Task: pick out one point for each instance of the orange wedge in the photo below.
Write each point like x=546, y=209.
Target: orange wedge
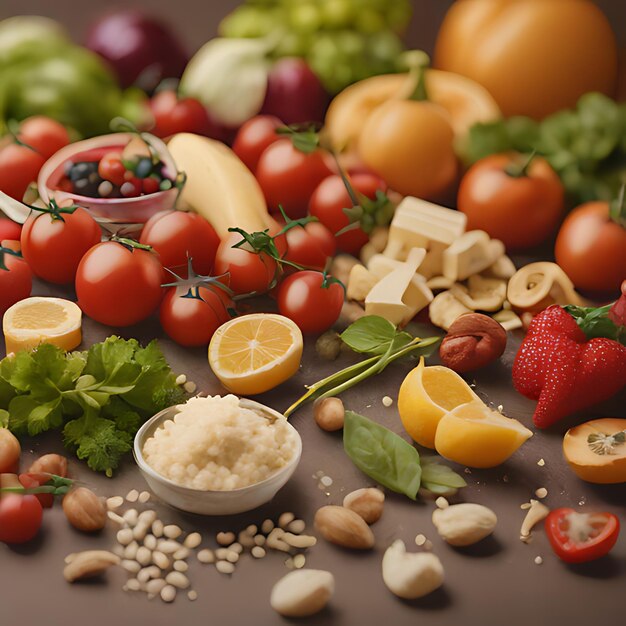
x=37, y=320
x=426, y=395
x=476, y=436
x=255, y=353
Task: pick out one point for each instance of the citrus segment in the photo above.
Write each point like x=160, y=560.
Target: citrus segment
x=474, y=435
x=426, y=395
x=37, y=320
x=255, y=353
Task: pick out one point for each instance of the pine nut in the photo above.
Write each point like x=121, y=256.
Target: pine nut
x=124, y=536
x=172, y=531
x=130, y=552
x=157, y=528
x=178, y=580
x=133, y=584
x=181, y=554
x=258, y=552
x=130, y=566
x=160, y=559
x=131, y=516
x=144, y=556
x=285, y=519
x=232, y=556
x=299, y=541
x=150, y=542
x=155, y=585
x=267, y=526
x=132, y=495
x=224, y=567
x=206, y=556
x=118, y=519
x=259, y=540
x=168, y=593
x=297, y=526
x=192, y=595
x=181, y=566
x=193, y=540
x=114, y=502
x=168, y=546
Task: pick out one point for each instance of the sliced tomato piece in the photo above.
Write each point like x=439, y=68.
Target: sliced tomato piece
x=580, y=537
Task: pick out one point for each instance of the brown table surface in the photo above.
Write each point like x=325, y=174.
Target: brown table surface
x=493, y=583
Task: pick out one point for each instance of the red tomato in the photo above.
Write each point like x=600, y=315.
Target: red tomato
x=191, y=321
x=53, y=247
x=20, y=518
x=44, y=134
x=313, y=307
x=331, y=197
x=9, y=230
x=288, y=177
x=30, y=481
x=176, y=235
x=310, y=246
x=248, y=272
x=112, y=169
x=254, y=136
x=19, y=167
x=186, y=115
x=520, y=210
x=118, y=286
x=591, y=248
x=16, y=281
x=580, y=537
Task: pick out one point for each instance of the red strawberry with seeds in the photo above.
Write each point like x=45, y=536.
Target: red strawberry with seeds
x=558, y=366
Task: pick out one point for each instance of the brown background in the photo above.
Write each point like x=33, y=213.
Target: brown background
x=196, y=20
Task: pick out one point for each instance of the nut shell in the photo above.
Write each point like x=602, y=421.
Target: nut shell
x=344, y=527
x=84, y=510
x=50, y=464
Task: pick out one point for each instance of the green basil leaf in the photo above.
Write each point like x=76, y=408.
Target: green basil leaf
x=370, y=334
x=437, y=477
x=382, y=455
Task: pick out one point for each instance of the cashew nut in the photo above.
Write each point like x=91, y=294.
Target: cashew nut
x=464, y=524
x=302, y=592
x=89, y=563
x=411, y=575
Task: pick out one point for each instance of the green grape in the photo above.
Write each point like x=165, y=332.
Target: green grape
x=248, y=21
x=305, y=18
x=385, y=46
x=337, y=13
x=292, y=45
x=350, y=43
x=399, y=16
x=370, y=21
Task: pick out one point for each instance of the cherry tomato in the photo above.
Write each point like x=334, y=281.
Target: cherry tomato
x=175, y=235
x=19, y=166
x=53, y=246
x=331, y=197
x=20, y=518
x=30, y=481
x=186, y=115
x=591, y=248
x=288, y=177
x=10, y=451
x=112, y=169
x=310, y=246
x=247, y=271
x=9, y=230
x=44, y=134
x=119, y=286
x=580, y=537
x=149, y=185
x=520, y=210
x=303, y=298
x=191, y=321
x=254, y=136
x=16, y=281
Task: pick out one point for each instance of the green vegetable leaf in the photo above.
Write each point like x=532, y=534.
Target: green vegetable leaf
x=31, y=416
x=373, y=334
x=382, y=455
x=595, y=322
x=439, y=478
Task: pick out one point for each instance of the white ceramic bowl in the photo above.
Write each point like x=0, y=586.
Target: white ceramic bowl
x=214, y=502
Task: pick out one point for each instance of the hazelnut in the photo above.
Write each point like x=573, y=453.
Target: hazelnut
x=473, y=341
x=50, y=464
x=329, y=414
x=85, y=510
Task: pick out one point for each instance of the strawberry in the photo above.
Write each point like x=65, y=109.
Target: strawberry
x=562, y=369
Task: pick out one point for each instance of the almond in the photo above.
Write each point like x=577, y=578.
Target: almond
x=344, y=527
x=367, y=502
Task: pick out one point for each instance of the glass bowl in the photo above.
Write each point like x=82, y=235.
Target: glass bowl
x=207, y=502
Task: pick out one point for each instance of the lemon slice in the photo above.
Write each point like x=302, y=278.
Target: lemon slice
x=474, y=435
x=426, y=395
x=255, y=353
x=37, y=320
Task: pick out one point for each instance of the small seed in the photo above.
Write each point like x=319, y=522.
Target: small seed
x=118, y=519
x=147, y=573
x=442, y=503
x=131, y=516
x=157, y=528
x=206, y=556
x=124, y=536
x=168, y=546
x=299, y=541
x=132, y=496
x=181, y=566
x=168, y=593
x=181, y=379
x=190, y=387
x=144, y=556
x=285, y=519
x=420, y=540
x=150, y=542
x=299, y=560
x=541, y=493
x=538, y=560
x=221, y=553
x=259, y=540
x=192, y=595
x=267, y=526
x=296, y=527
x=155, y=585
x=232, y=556
x=147, y=517
x=252, y=529
x=160, y=559
x=144, y=497
x=178, y=579
x=118, y=550
x=224, y=567
x=258, y=552
x=114, y=503
x=193, y=540
x=141, y=530
x=131, y=566
x=181, y=554
x=172, y=531
x=225, y=539
x=132, y=584
x=130, y=551
x=387, y=401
